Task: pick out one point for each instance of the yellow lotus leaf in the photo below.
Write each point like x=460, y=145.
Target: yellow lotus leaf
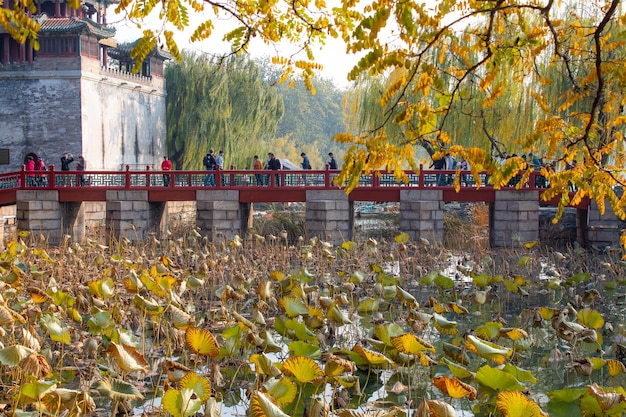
x=302, y=368
x=293, y=306
x=335, y=315
x=488, y=350
x=615, y=367
x=127, y=357
x=38, y=296
x=606, y=400
x=458, y=309
x=516, y=404
x=514, y=334
x=264, y=365
x=284, y=391
x=60, y=400
x=132, y=282
x=262, y=405
x=336, y=366
x=410, y=344
x=445, y=326
x=200, y=385
x=547, y=313
x=437, y=306
x=181, y=403
x=455, y=388
x=371, y=357
x=202, y=342
x=529, y=245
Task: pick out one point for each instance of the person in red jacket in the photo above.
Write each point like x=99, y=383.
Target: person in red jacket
x=166, y=165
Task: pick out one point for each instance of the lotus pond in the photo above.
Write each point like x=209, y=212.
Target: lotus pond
x=265, y=327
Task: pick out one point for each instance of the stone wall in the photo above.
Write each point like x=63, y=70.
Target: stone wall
x=514, y=218
x=39, y=113
x=421, y=214
x=603, y=229
x=123, y=122
x=219, y=214
x=59, y=105
x=39, y=212
x=329, y=215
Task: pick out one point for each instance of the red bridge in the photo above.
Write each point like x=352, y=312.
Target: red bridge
x=253, y=186
x=132, y=203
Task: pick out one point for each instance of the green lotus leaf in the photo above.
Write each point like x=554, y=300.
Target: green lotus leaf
x=149, y=306
x=357, y=277
x=443, y=281
x=269, y=344
x=497, y=380
x=33, y=391
x=489, y=330
x=524, y=260
x=482, y=280
x=301, y=331
x=57, y=330
x=62, y=299
x=457, y=370
x=299, y=348
x=117, y=389
x=578, y=278
x=100, y=322
x=368, y=305
x=488, y=350
x=389, y=292
x=522, y=375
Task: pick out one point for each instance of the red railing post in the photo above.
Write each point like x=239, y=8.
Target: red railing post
x=147, y=175
x=218, y=176
x=327, y=177
x=422, y=181
x=23, y=177
x=127, y=178
x=52, y=177
x=172, y=179
x=232, y=176
x=375, y=179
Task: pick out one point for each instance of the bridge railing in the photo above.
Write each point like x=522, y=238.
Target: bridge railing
x=241, y=179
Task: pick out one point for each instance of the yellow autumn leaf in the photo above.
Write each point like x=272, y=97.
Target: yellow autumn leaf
x=202, y=342
x=516, y=404
x=303, y=368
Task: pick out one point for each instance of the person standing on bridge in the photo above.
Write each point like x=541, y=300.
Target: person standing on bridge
x=219, y=161
x=209, y=163
x=306, y=164
x=166, y=165
x=332, y=164
x=81, y=165
x=258, y=165
x=274, y=164
x=66, y=160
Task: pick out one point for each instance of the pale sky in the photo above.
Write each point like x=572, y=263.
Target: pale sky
x=336, y=62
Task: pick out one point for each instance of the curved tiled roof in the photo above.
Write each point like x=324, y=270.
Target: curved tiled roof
x=123, y=50
x=74, y=24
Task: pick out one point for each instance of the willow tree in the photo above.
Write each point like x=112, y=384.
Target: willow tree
x=220, y=104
